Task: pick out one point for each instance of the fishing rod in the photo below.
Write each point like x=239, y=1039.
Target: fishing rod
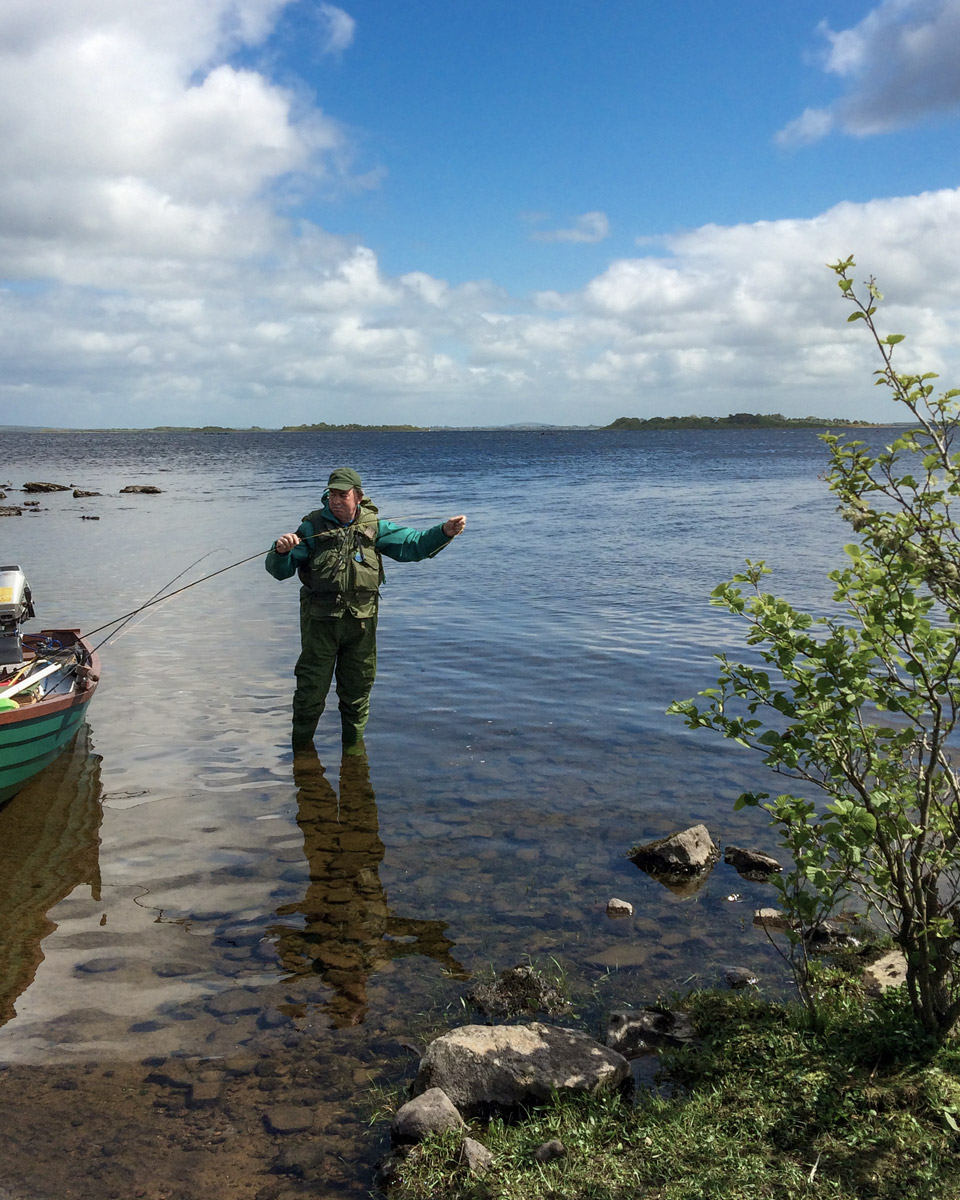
x=163, y=594
x=156, y=597
x=159, y=599
x=33, y=677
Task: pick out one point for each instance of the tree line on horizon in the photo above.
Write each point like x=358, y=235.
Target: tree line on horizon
x=733, y=421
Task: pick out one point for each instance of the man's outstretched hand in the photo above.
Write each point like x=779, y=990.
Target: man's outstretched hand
x=454, y=526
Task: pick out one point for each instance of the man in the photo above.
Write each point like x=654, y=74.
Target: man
x=338, y=554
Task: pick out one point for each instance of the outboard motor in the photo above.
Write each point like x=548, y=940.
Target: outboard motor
x=16, y=606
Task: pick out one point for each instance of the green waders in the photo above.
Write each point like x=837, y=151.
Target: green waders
x=346, y=645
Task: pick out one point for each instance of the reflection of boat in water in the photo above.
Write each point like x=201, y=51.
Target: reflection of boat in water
x=49, y=845
x=349, y=932
x=46, y=682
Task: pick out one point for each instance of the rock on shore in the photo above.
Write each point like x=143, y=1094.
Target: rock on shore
x=484, y=1068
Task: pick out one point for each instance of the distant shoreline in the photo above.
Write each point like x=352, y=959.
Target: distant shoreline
x=735, y=421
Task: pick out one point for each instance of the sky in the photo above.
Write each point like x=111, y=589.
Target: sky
x=442, y=212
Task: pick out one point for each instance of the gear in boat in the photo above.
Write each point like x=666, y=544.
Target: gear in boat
x=46, y=681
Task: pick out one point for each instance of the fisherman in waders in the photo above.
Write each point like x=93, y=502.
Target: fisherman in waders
x=338, y=554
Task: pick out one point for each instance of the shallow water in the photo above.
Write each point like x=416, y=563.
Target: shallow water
x=232, y=911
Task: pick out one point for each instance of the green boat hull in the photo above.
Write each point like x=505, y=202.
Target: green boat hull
x=28, y=746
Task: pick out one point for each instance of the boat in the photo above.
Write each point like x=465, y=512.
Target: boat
x=47, y=679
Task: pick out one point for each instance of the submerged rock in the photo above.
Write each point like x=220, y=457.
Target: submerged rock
x=741, y=977
x=10, y=510
x=484, y=1068
x=751, y=864
x=773, y=920
x=79, y=494
x=833, y=933
x=144, y=489
x=633, y=1032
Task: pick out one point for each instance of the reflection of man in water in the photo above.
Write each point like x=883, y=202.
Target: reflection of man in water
x=349, y=932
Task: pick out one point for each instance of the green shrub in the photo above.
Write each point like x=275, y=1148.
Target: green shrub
x=862, y=705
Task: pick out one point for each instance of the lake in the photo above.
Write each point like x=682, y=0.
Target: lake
x=195, y=937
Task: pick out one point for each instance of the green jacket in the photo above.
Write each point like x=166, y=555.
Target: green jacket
x=341, y=566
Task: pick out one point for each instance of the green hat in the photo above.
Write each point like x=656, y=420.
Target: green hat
x=342, y=479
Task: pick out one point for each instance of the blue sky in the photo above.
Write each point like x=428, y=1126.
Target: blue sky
x=661, y=116
x=273, y=211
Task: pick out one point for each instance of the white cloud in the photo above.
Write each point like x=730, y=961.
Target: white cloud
x=339, y=28
x=643, y=284
x=125, y=137
x=153, y=275
x=900, y=66
x=354, y=281
x=726, y=318
x=590, y=227
x=812, y=125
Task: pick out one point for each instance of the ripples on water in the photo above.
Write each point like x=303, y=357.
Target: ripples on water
x=517, y=745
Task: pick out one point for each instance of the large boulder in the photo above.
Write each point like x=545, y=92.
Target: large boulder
x=485, y=1068
x=46, y=487
x=679, y=855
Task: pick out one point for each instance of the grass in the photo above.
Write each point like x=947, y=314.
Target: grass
x=765, y=1108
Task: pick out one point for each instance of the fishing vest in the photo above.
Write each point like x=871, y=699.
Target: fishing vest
x=345, y=569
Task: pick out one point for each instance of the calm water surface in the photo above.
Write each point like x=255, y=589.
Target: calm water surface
x=173, y=889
